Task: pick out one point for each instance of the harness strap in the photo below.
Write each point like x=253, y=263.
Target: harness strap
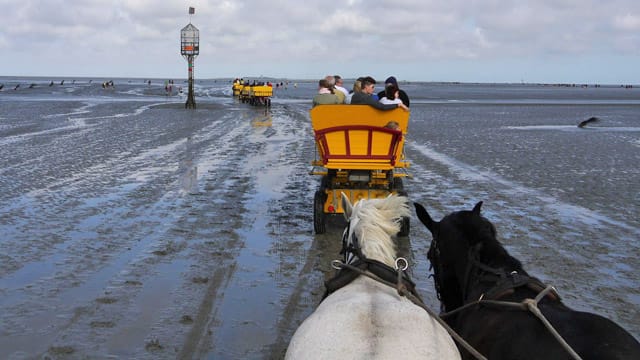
x=505, y=282
x=417, y=301
x=347, y=274
x=507, y=285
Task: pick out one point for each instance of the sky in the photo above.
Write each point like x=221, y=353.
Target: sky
x=534, y=41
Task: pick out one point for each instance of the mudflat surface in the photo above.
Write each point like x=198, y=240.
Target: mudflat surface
x=134, y=228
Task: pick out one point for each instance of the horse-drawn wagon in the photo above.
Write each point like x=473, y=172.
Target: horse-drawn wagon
x=360, y=153
x=253, y=94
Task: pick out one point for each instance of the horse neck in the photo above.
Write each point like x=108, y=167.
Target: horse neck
x=484, y=269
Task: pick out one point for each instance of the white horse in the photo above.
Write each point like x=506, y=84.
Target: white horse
x=366, y=319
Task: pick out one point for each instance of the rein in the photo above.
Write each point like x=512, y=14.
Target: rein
x=506, y=284
x=354, y=257
x=403, y=291
x=352, y=265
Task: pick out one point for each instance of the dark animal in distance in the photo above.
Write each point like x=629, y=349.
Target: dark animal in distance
x=588, y=121
x=470, y=264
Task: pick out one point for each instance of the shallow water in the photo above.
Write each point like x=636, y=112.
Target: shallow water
x=135, y=228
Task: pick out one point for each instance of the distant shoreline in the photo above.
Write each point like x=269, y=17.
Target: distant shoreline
x=99, y=79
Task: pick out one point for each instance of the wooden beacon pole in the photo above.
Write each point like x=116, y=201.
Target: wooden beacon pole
x=191, y=101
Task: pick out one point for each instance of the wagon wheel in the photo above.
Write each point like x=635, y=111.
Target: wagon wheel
x=319, y=217
x=398, y=186
x=405, y=224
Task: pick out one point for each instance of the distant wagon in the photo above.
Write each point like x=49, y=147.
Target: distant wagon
x=253, y=94
x=360, y=153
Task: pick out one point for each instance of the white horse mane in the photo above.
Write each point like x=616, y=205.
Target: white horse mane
x=365, y=318
x=377, y=221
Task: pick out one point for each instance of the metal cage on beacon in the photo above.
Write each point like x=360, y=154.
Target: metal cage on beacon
x=189, y=40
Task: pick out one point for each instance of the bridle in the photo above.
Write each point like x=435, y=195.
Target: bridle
x=436, y=266
x=505, y=284
x=354, y=262
x=476, y=271
x=351, y=250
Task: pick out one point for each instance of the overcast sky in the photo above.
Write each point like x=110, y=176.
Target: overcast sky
x=552, y=41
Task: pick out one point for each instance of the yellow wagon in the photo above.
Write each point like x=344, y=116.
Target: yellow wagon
x=253, y=94
x=260, y=95
x=237, y=87
x=360, y=153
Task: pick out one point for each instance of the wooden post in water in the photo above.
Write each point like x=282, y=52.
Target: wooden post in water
x=191, y=101
x=190, y=48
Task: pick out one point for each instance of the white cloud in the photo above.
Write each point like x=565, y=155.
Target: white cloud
x=627, y=22
x=107, y=35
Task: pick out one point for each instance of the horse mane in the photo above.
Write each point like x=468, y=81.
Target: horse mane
x=379, y=220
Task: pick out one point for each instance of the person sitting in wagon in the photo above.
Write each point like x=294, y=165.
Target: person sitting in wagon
x=402, y=95
x=325, y=95
x=364, y=96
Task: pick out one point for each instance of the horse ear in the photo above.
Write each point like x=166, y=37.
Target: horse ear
x=476, y=209
x=346, y=206
x=424, y=217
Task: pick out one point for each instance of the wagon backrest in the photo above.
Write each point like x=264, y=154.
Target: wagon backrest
x=355, y=137
x=262, y=90
x=326, y=116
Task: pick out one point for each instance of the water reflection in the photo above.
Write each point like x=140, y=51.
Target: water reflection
x=188, y=170
x=263, y=119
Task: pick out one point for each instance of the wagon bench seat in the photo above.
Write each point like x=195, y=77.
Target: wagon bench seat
x=355, y=137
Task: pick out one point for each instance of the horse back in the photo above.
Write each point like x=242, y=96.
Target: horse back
x=517, y=334
x=368, y=320
x=594, y=336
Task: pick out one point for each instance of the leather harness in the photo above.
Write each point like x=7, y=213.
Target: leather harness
x=353, y=256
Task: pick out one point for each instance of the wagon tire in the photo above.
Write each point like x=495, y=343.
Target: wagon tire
x=405, y=226
x=405, y=222
x=319, y=217
x=398, y=186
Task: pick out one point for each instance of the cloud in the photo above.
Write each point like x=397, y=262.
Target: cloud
x=105, y=35
x=627, y=22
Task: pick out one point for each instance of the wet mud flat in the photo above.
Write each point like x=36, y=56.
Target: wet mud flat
x=139, y=229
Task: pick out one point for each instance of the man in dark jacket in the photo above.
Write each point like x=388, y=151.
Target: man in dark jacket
x=392, y=81
x=364, y=97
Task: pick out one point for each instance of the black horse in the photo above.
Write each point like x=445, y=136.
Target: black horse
x=484, y=292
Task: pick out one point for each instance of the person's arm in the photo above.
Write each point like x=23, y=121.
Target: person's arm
x=404, y=97
x=378, y=105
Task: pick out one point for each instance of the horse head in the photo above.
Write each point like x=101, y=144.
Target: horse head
x=371, y=223
x=463, y=241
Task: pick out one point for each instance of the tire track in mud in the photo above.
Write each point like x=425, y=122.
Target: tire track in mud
x=554, y=240
x=274, y=218
x=144, y=216
x=158, y=334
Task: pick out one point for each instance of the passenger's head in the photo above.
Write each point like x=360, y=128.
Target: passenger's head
x=324, y=84
x=391, y=91
x=357, y=85
x=339, y=81
x=391, y=80
x=330, y=80
x=368, y=84
x=393, y=125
